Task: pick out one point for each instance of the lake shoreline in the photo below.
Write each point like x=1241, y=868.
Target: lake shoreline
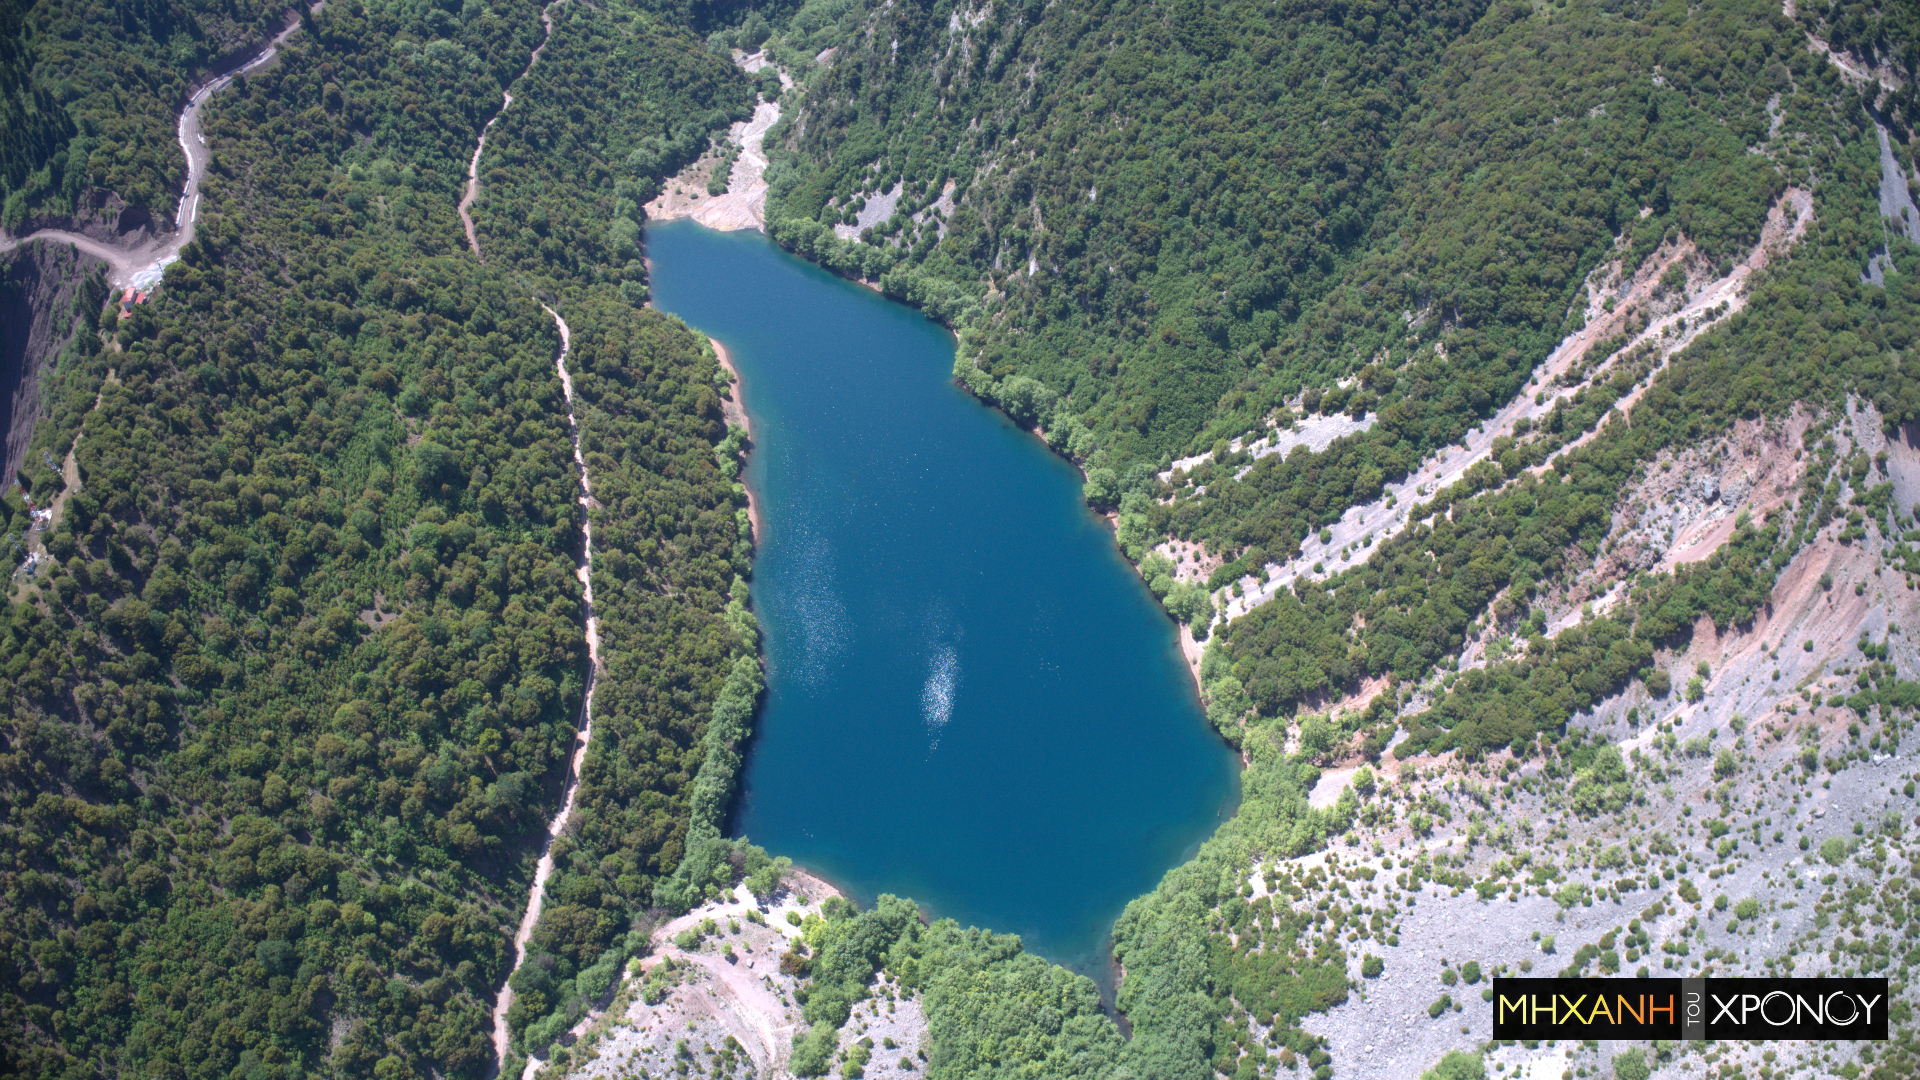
x=735, y=410
x=873, y=442
x=1191, y=650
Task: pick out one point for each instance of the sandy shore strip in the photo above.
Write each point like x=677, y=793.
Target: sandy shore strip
x=735, y=410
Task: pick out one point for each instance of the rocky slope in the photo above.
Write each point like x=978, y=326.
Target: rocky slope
x=38, y=287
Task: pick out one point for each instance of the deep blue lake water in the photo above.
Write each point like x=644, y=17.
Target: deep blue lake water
x=972, y=699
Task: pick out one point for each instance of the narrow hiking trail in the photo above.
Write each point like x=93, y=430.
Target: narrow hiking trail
x=543, y=870
x=536, y=896
x=480, y=147
x=1362, y=526
x=141, y=262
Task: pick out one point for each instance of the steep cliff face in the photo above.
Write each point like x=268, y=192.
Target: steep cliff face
x=39, y=287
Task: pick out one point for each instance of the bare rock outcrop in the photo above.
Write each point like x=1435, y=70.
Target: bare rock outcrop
x=38, y=284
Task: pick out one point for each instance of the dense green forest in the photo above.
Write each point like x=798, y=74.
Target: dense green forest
x=606, y=112
x=289, y=711
x=91, y=95
x=1476, y=168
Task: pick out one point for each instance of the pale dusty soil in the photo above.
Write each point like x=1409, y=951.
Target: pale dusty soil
x=1772, y=676
x=1384, y=1031
x=1854, y=69
x=744, y=204
x=1332, y=783
x=878, y=208
x=1786, y=223
x=1686, y=508
x=1316, y=433
x=138, y=253
x=747, y=998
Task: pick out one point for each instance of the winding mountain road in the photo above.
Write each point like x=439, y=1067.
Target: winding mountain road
x=141, y=262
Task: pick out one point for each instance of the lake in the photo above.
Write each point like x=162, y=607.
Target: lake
x=972, y=700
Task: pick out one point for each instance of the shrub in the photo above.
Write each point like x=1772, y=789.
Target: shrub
x=1364, y=782
x=1458, y=1065
x=813, y=1051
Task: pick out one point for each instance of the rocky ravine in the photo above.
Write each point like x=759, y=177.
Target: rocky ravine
x=1674, y=323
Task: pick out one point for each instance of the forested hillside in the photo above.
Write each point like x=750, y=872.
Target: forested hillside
x=1179, y=237
x=1188, y=230
x=91, y=95
x=292, y=697
x=290, y=708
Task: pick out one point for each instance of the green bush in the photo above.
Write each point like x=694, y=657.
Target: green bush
x=1458, y=1065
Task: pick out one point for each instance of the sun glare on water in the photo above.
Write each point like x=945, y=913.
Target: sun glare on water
x=936, y=698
